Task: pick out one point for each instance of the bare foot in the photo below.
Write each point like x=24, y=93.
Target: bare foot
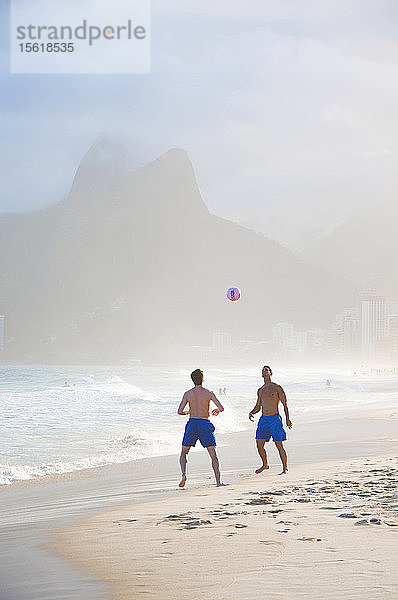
x=261, y=469
x=221, y=484
x=283, y=472
x=183, y=481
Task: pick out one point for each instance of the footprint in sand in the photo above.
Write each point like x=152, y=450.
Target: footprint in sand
x=309, y=539
x=270, y=542
x=125, y=521
x=194, y=523
x=188, y=522
x=257, y=501
x=240, y=525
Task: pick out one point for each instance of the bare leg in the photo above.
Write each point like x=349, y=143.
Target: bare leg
x=283, y=456
x=263, y=456
x=183, y=464
x=215, y=464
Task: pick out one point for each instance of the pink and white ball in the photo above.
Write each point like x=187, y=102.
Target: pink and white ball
x=233, y=294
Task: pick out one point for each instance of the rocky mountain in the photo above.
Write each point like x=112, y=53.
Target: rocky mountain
x=133, y=264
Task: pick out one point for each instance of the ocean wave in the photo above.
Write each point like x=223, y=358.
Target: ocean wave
x=111, y=386
x=128, y=448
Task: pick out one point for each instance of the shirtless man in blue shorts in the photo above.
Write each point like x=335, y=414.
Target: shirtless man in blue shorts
x=198, y=426
x=270, y=422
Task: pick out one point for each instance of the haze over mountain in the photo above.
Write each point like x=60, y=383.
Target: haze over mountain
x=364, y=249
x=132, y=264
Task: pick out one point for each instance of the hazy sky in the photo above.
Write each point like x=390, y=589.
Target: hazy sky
x=288, y=110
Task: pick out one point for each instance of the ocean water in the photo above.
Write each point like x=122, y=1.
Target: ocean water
x=116, y=414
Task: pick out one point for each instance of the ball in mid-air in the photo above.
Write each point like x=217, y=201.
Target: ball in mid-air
x=233, y=294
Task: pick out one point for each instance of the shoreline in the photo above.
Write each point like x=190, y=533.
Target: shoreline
x=245, y=436
x=42, y=508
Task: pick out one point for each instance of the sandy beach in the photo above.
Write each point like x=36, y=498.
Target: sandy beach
x=327, y=529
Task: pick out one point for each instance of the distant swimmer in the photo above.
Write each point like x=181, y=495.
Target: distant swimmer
x=66, y=384
x=270, y=422
x=224, y=391
x=198, y=426
x=328, y=383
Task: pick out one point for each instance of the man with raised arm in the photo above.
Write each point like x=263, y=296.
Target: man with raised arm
x=198, y=426
x=270, y=422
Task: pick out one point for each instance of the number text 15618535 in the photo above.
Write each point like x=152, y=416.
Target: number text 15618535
x=47, y=47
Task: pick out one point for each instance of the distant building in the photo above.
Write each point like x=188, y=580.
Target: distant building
x=344, y=337
x=316, y=340
x=221, y=341
x=301, y=341
x=286, y=337
x=393, y=335
x=392, y=308
x=283, y=335
x=351, y=330
x=373, y=322
x=335, y=338
x=2, y=319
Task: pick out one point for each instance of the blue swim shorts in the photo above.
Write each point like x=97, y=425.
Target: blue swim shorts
x=199, y=429
x=270, y=426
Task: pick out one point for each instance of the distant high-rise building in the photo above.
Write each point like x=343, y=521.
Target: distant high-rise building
x=393, y=335
x=344, y=333
x=283, y=335
x=373, y=321
x=221, y=341
x=301, y=341
x=2, y=318
x=351, y=330
x=335, y=338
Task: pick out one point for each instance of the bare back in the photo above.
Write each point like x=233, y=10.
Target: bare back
x=198, y=399
x=269, y=395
